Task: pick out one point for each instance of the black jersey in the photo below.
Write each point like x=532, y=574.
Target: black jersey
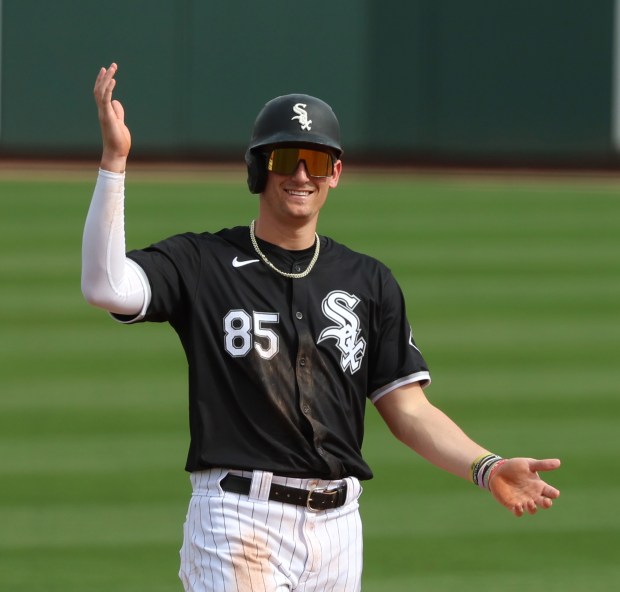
x=280, y=369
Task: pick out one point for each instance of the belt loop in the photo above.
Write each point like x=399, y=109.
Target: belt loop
x=261, y=484
x=354, y=489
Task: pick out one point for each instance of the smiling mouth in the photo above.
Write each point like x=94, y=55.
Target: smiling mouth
x=299, y=192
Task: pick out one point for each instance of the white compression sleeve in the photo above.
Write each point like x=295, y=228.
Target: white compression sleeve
x=109, y=279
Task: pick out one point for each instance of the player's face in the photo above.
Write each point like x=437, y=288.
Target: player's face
x=298, y=196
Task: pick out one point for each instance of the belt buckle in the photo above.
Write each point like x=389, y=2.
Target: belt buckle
x=314, y=490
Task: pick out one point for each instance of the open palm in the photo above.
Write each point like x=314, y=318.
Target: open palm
x=115, y=134
x=517, y=486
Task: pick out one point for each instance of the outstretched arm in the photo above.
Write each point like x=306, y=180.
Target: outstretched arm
x=109, y=279
x=434, y=436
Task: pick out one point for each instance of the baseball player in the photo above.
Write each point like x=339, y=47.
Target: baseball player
x=287, y=335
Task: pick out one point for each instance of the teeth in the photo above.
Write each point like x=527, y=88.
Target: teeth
x=299, y=193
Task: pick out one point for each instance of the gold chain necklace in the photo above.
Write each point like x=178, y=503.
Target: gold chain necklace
x=294, y=276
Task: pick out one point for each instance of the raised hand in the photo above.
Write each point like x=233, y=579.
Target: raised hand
x=115, y=134
x=517, y=486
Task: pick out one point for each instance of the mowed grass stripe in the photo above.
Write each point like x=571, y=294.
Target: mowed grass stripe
x=58, y=525
x=438, y=569
x=120, y=567
x=547, y=580
x=104, y=450
x=94, y=485
x=93, y=391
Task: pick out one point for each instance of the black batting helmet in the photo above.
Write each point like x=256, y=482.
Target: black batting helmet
x=295, y=119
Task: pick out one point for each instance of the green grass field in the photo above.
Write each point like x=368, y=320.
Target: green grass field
x=513, y=286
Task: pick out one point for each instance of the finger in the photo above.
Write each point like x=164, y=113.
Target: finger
x=517, y=510
x=105, y=74
x=545, y=503
x=547, y=464
x=100, y=76
x=105, y=82
x=99, y=84
x=550, y=492
x=111, y=71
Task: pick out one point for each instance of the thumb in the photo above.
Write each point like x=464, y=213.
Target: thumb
x=118, y=110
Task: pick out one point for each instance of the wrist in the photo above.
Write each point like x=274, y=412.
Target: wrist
x=483, y=467
x=492, y=472
x=110, y=176
x=113, y=163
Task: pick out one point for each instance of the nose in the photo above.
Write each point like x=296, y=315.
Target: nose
x=301, y=173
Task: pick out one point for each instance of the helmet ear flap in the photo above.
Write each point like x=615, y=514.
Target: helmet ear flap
x=257, y=171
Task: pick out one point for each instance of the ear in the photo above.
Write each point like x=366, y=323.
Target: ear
x=257, y=171
x=333, y=180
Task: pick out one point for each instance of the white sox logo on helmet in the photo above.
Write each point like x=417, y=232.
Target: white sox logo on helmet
x=338, y=306
x=302, y=116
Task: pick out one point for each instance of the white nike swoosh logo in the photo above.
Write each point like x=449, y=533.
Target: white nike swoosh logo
x=237, y=263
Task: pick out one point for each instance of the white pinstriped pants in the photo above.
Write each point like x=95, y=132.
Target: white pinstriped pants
x=238, y=543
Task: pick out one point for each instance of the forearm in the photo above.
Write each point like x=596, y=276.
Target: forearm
x=110, y=280
x=429, y=432
x=435, y=437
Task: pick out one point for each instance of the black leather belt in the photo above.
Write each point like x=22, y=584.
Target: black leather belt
x=316, y=499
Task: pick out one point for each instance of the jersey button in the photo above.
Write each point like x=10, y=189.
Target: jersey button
x=299, y=315
x=302, y=362
x=297, y=268
x=306, y=409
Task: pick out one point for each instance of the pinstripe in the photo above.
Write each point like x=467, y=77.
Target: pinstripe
x=255, y=545
x=324, y=543
x=256, y=520
x=340, y=544
x=212, y=558
x=297, y=529
x=271, y=509
x=332, y=554
x=310, y=566
x=231, y=553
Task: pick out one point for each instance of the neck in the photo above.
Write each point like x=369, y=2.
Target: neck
x=287, y=236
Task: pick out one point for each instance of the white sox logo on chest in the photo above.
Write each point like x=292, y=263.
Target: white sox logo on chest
x=338, y=306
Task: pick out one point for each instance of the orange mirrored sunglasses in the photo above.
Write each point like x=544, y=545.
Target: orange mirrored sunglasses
x=284, y=161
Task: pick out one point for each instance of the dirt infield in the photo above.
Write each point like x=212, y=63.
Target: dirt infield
x=21, y=169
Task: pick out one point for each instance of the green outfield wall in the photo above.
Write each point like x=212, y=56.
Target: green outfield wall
x=419, y=80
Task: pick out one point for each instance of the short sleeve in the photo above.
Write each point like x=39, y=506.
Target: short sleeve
x=172, y=267
x=397, y=360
